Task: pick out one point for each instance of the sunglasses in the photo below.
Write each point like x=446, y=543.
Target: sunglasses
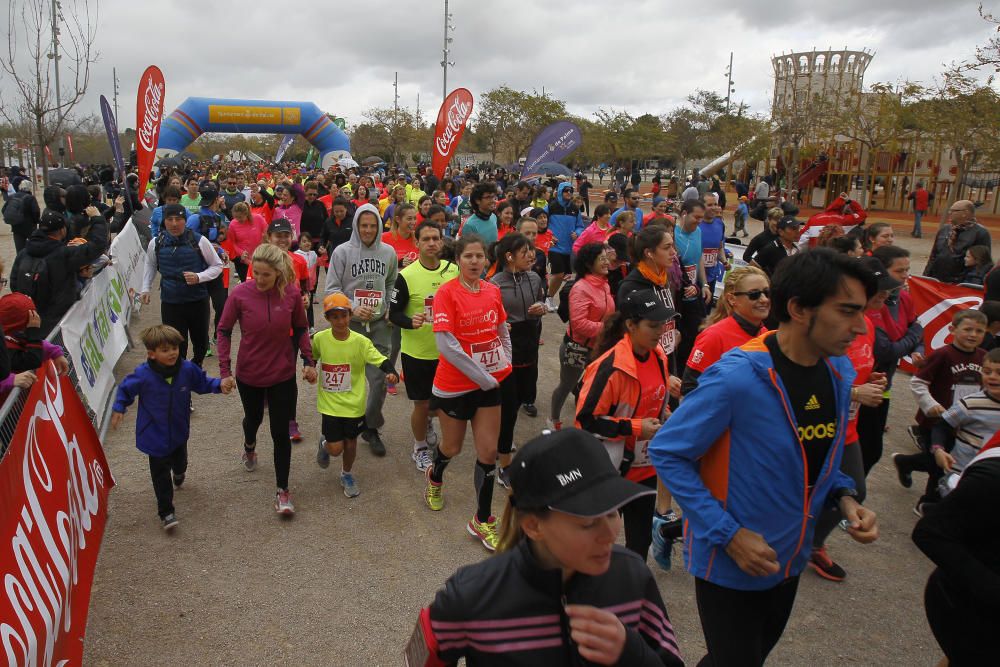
x=754, y=294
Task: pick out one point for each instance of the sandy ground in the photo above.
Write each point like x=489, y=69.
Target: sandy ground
x=341, y=583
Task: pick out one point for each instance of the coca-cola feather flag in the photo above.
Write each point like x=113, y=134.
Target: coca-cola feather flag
x=149, y=115
x=450, y=125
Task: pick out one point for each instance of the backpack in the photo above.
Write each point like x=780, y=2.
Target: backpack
x=563, y=309
x=13, y=211
x=31, y=278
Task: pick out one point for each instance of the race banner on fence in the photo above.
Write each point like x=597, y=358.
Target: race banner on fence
x=449, y=127
x=149, y=115
x=935, y=304
x=552, y=144
x=128, y=258
x=54, y=483
x=94, y=334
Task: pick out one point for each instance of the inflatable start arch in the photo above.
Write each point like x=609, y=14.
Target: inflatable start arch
x=198, y=115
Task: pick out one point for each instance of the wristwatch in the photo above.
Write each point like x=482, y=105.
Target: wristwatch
x=841, y=493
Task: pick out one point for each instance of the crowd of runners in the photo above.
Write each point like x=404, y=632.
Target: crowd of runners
x=741, y=427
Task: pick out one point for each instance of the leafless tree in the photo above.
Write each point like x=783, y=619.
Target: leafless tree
x=40, y=98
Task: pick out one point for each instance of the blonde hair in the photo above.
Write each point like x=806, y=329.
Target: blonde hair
x=241, y=207
x=278, y=260
x=624, y=215
x=776, y=213
x=732, y=283
x=161, y=335
x=510, y=532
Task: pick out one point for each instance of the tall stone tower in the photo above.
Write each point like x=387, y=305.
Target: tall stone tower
x=804, y=77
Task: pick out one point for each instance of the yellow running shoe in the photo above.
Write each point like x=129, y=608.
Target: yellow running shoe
x=432, y=495
x=484, y=531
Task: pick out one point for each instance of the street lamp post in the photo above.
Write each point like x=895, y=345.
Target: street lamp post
x=448, y=25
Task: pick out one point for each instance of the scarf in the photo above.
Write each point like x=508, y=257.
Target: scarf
x=166, y=372
x=657, y=277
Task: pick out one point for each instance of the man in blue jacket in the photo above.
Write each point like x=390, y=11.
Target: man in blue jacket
x=751, y=476
x=565, y=223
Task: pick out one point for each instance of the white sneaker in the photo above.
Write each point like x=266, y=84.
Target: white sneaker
x=283, y=503
x=550, y=305
x=422, y=458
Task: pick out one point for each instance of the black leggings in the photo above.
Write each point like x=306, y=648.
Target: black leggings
x=218, y=292
x=852, y=466
x=741, y=627
x=964, y=633
x=160, y=468
x=515, y=389
x=191, y=319
x=280, y=399
x=871, y=430
x=241, y=269
x=637, y=518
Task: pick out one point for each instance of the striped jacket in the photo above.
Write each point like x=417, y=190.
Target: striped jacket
x=507, y=610
x=732, y=458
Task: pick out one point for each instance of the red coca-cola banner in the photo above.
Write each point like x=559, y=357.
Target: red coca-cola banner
x=448, y=130
x=148, y=116
x=69, y=144
x=54, y=484
x=935, y=304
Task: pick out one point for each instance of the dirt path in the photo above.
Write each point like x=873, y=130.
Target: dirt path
x=341, y=583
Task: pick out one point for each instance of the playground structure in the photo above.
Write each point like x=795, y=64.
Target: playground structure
x=197, y=115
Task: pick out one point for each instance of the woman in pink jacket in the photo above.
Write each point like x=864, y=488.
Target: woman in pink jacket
x=598, y=231
x=246, y=231
x=589, y=303
x=288, y=205
x=269, y=310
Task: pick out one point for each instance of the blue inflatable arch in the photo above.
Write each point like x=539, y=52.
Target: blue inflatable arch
x=198, y=115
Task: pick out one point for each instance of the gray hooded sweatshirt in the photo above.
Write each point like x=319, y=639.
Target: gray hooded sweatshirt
x=364, y=274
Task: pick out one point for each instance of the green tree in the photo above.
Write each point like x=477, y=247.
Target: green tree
x=391, y=132
x=507, y=120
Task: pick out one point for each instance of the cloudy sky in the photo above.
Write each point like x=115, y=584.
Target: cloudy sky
x=638, y=56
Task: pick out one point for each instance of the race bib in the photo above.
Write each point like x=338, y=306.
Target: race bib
x=367, y=297
x=336, y=377
x=692, y=273
x=489, y=355
x=668, y=339
x=641, y=454
x=853, y=412
x=429, y=309
x=710, y=257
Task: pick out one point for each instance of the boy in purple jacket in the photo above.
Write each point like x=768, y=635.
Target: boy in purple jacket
x=164, y=384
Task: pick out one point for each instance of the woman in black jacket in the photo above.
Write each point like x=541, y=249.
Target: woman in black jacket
x=769, y=234
x=559, y=591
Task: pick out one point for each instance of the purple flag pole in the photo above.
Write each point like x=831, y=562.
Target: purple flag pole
x=552, y=144
x=111, y=127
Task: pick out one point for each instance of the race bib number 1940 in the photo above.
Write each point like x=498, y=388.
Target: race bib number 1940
x=367, y=297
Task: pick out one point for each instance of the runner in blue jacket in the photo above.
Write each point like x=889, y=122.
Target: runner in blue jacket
x=565, y=224
x=752, y=475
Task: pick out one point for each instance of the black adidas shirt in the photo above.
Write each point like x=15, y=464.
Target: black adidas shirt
x=810, y=389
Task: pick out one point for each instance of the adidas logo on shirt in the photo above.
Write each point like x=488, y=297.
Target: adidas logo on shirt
x=812, y=403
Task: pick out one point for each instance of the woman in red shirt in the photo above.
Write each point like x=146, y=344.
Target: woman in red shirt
x=505, y=219
x=738, y=317
x=470, y=327
x=361, y=196
x=624, y=400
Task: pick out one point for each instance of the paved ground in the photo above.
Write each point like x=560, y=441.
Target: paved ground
x=341, y=582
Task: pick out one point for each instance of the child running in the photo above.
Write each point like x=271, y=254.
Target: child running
x=163, y=385
x=341, y=356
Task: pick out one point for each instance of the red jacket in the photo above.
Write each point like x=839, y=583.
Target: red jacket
x=833, y=216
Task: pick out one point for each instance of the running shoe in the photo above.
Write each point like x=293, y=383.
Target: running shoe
x=823, y=565
x=662, y=543
x=178, y=480
x=283, y=503
x=293, y=431
x=432, y=494
x=484, y=531
x=919, y=508
x=351, y=489
x=422, y=458
x=914, y=432
x=322, y=456
x=375, y=442
x=905, y=476
x=209, y=352
x=391, y=388
x=169, y=522
x=432, y=436
x=553, y=425
x=550, y=305
x=530, y=409
x=249, y=460
x=502, y=478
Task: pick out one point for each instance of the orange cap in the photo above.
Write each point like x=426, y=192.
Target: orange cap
x=336, y=301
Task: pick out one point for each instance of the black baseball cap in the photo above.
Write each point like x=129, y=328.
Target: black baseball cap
x=52, y=221
x=569, y=471
x=279, y=225
x=209, y=193
x=174, y=210
x=788, y=221
x=886, y=283
x=643, y=304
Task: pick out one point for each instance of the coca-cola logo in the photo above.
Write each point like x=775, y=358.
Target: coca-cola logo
x=152, y=99
x=458, y=113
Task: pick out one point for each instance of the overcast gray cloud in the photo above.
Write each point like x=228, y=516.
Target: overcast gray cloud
x=639, y=56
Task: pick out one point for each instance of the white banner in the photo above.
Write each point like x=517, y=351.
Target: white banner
x=734, y=262
x=94, y=330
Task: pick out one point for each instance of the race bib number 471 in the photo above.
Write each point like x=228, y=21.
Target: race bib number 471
x=489, y=355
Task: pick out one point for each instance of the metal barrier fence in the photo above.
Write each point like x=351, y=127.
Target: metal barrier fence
x=13, y=406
